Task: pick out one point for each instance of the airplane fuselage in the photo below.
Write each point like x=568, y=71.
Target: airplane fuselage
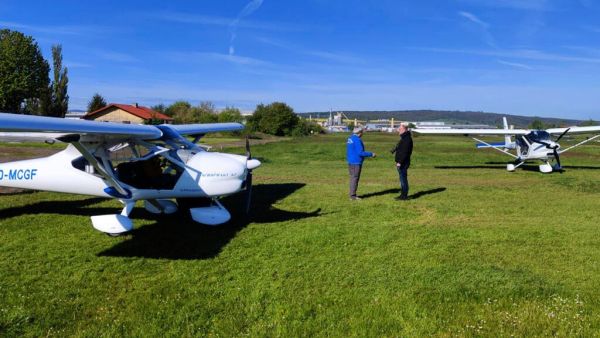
x=204, y=174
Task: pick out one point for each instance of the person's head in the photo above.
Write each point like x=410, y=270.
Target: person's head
x=358, y=131
x=403, y=128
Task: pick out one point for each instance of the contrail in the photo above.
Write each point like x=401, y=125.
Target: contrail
x=252, y=6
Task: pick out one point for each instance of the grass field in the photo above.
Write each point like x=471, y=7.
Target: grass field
x=478, y=251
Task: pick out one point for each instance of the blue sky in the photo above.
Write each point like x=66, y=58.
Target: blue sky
x=530, y=57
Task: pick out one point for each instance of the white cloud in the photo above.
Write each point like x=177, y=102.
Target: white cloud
x=515, y=64
x=474, y=19
x=537, y=5
x=327, y=55
x=483, y=26
x=252, y=6
x=527, y=54
x=58, y=30
x=233, y=59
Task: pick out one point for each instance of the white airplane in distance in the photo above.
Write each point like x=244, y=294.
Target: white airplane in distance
x=529, y=145
x=129, y=162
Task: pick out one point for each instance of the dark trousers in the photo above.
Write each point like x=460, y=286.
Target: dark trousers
x=403, y=173
x=354, y=170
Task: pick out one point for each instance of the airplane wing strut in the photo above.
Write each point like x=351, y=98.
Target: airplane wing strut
x=112, y=182
x=491, y=146
x=578, y=144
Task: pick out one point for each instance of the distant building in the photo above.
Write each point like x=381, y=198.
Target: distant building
x=125, y=113
x=75, y=114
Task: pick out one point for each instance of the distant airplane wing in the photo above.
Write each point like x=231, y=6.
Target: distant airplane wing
x=471, y=131
x=28, y=127
x=574, y=130
x=199, y=129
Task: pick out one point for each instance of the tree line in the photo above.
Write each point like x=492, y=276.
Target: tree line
x=276, y=118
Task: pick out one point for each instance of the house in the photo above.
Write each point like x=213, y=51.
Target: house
x=125, y=113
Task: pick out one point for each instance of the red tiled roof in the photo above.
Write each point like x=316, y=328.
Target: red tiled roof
x=139, y=111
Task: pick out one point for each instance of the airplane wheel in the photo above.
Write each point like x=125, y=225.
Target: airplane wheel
x=117, y=235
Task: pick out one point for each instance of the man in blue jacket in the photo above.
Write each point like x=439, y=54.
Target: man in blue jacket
x=355, y=154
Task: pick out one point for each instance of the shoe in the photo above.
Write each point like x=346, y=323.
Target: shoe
x=400, y=198
x=355, y=198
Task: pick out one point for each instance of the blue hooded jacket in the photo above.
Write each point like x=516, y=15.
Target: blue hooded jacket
x=355, y=150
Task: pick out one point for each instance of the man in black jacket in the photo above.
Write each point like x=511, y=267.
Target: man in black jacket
x=403, y=151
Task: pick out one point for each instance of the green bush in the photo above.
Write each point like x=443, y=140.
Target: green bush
x=276, y=118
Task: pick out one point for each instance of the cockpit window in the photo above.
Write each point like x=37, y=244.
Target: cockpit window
x=156, y=172
x=538, y=135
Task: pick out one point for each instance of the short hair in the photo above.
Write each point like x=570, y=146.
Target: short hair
x=357, y=130
x=404, y=124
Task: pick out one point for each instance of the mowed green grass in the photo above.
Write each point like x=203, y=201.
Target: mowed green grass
x=479, y=252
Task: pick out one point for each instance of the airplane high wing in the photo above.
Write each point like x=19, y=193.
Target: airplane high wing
x=39, y=124
x=129, y=162
x=528, y=145
x=468, y=132
x=574, y=130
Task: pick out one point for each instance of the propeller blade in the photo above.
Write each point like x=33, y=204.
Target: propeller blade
x=248, y=191
x=563, y=134
x=557, y=158
x=248, y=154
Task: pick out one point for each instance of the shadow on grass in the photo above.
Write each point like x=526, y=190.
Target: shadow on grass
x=490, y=165
x=179, y=237
x=381, y=193
x=397, y=191
x=426, y=192
x=78, y=207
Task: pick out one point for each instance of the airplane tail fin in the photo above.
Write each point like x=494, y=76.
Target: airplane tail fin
x=507, y=140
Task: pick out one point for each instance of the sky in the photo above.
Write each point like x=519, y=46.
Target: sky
x=526, y=57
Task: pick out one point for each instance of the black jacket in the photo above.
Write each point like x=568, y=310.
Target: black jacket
x=403, y=149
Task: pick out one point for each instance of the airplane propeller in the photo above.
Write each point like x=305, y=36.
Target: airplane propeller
x=248, y=177
x=563, y=134
x=555, y=147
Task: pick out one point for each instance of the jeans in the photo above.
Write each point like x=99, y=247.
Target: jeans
x=403, y=173
x=354, y=170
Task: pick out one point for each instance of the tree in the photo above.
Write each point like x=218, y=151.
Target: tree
x=96, y=103
x=159, y=108
x=588, y=123
x=23, y=72
x=305, y=127
x=536, y=124
x=59, y=98
x=179, y=111
x=230, y=114
x=276, y=118
x=205, y=112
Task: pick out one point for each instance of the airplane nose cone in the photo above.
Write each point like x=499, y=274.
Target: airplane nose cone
x=217, y=166
x=252, y=164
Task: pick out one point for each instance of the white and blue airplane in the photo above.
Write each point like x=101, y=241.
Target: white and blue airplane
x=529, y=145
x=128, y=162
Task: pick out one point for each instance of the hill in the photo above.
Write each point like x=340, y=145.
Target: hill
x=457, y=117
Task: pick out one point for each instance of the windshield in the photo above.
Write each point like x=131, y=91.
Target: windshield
x=538, y=135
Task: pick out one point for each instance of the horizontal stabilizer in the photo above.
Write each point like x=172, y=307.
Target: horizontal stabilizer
x=491, y=145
